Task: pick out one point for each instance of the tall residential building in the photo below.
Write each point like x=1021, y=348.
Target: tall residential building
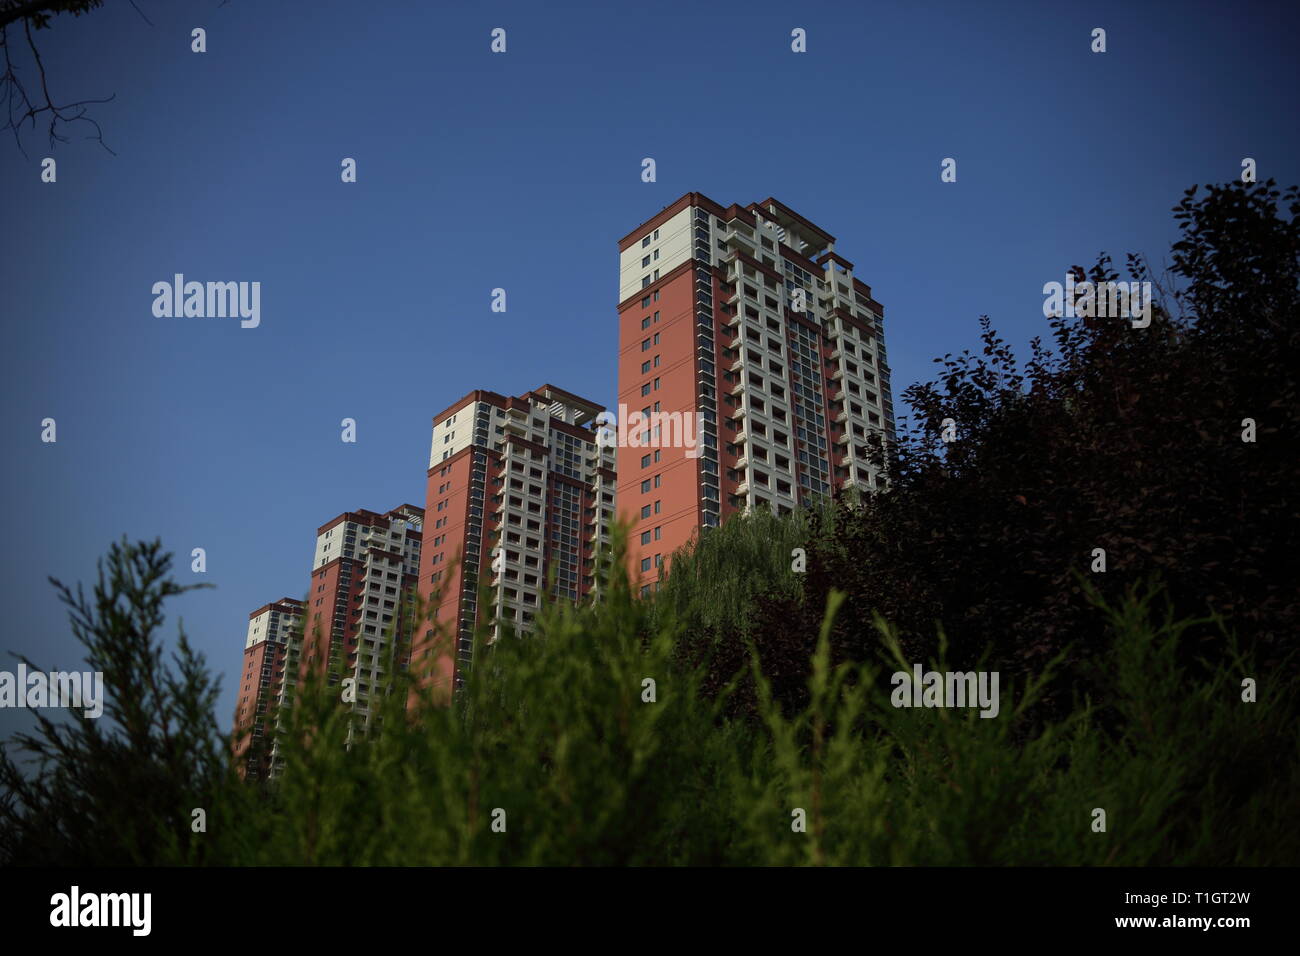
x=746, y=316
x=270, y=657
x=520, y=497
x=365, y=565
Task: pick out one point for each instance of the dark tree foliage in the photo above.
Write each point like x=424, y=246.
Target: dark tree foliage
x=1114, y=437
x=39, y=12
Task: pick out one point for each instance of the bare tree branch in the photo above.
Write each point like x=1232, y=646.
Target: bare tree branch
x=21, y=108
x=141, y=12
x=22, y=103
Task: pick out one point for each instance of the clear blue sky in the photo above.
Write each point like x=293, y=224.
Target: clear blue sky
x=522, y=171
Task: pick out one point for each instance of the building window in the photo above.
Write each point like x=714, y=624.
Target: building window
x=645, y=461
x=645, y=389
x=645, y=486
x=656, y=361
x=645, y=261
x=645, y=537
x=645, y=323
x=645, y=511
x=645, y=564
x=645, y=345
x=645, y=242
x=645, y=366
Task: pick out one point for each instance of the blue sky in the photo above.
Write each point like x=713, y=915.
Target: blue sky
x=522, y=171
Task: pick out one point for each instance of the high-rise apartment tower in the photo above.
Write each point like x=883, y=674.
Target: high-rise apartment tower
x=746, y=317
x=270, y=667
x=355, y=624
x=520, y=498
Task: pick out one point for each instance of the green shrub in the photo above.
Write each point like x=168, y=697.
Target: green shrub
x=556, y=730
